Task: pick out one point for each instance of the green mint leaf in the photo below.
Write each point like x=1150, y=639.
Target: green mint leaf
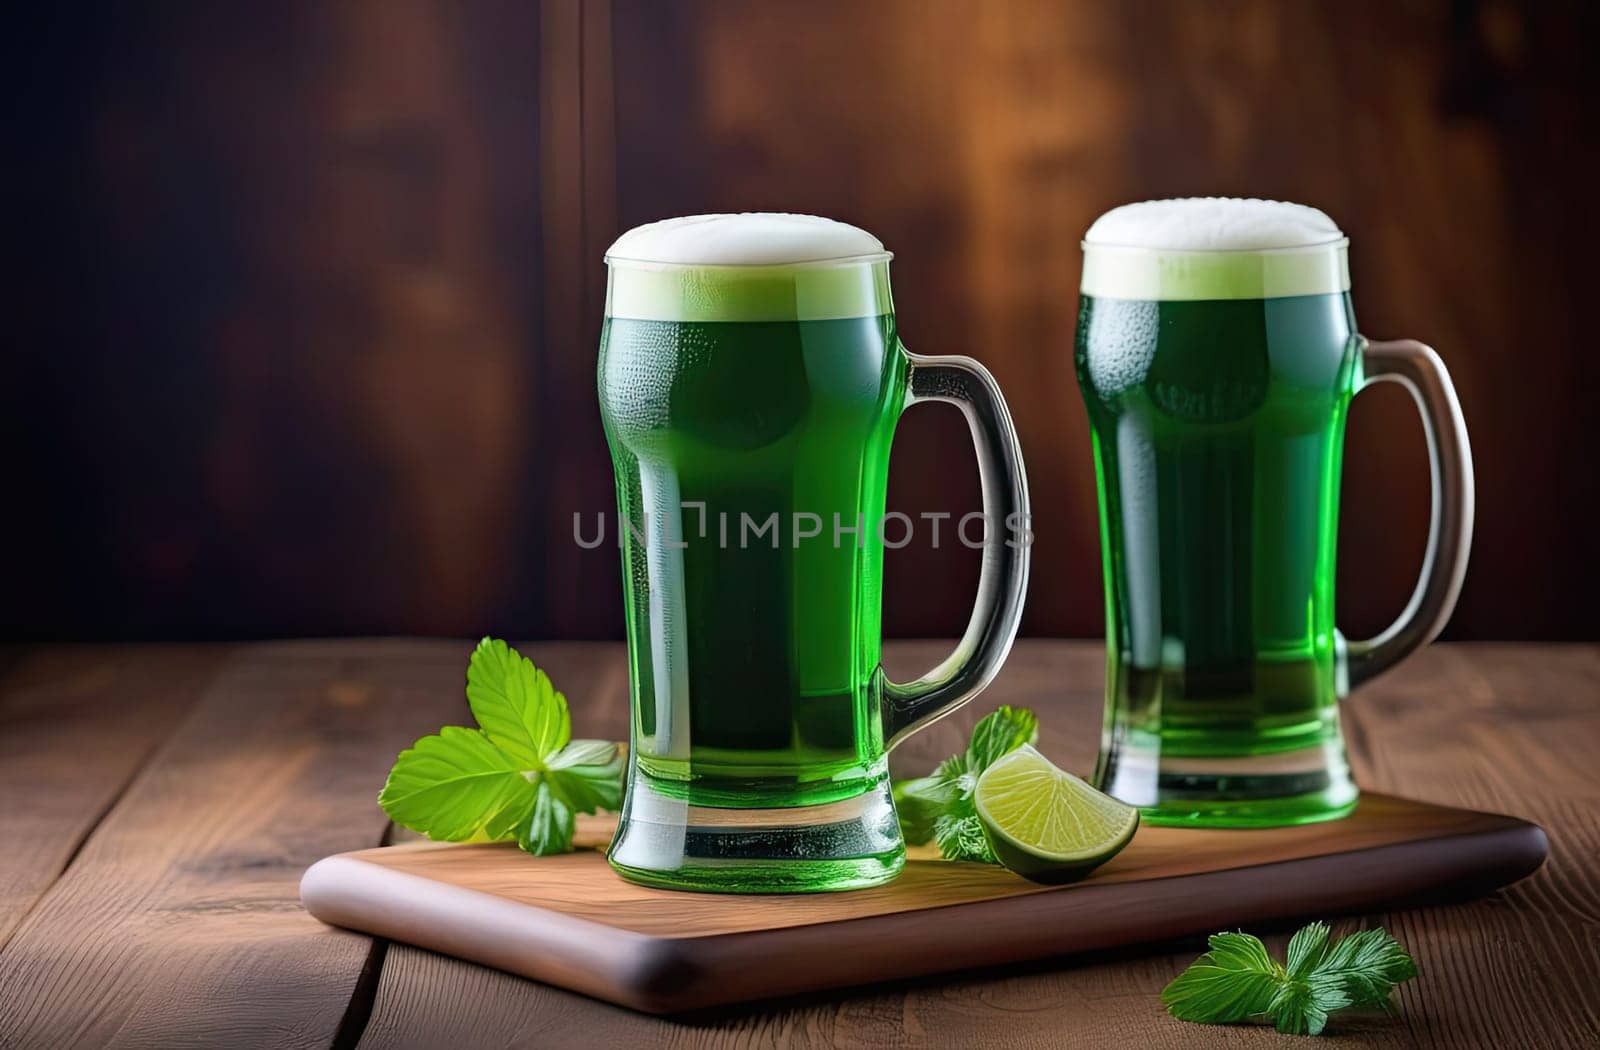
x=951, y=770
x=1306, y=949
x=583, y=753
x=919, y=803
x=548, y=825
x=1366, y=965
x=1237, y=979
x=516, y=705
x=587, y=775
x=1302, y=1006
x=518, y=776
x=956, y=828
x=962, y=838
x=1289, y=1008
x=998, y=734
x=457, y=786
x=1233, y=981
x=939, y=807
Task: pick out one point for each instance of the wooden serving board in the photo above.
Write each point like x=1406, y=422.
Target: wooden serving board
x=570, y=921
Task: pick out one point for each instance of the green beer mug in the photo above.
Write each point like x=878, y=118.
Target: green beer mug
x=1217, y=355
x=751, y=376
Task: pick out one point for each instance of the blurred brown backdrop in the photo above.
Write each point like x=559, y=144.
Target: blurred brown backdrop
x=304, y=296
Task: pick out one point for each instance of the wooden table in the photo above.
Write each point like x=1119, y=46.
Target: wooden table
x=158, y=804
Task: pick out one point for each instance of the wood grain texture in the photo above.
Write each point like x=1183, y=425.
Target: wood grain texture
x=980, y=140
x=577, y=224
x=1471, y=723
x=580, y=886
x=76, y=724
x=1458, y=724
x=570, y=921
x=178, y=921
x=312, y=344
x=312, y=287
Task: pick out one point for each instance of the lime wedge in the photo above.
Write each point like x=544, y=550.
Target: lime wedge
x=1046, y=824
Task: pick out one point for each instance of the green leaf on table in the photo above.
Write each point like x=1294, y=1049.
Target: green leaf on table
x=939, y=807
x=920, y=803
x=515, y=703
x=1231, y=982
x=518, y=776
x=961, y=837
x=457, y=786
x=1306, y=949
x=1367, y=965
x=548, y=826
x=587, y=775
x=1301, y=1007
x=1237, y=980
x=998, y=734
x=583, y=753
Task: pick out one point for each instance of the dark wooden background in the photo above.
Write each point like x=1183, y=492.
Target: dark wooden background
x=304, y=296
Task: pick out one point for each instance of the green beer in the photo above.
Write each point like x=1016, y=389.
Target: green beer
x=750, y=380
x=1217, y=354
x=770, y=422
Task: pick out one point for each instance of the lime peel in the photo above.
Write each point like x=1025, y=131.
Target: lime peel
x=1046, y=824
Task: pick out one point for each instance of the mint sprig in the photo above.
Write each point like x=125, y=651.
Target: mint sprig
x=518, y=776
x=940, y=806
x=1237, y=980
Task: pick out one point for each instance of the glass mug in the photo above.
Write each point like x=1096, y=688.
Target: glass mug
x=1217, y=354
x=750, y=380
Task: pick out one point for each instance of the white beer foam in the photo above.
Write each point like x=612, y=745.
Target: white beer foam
x=758, y=266
x=1203, y=248
x=746, y=239
x=1213, y=224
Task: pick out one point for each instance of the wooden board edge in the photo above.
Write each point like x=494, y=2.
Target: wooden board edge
x=587, y=957
x=1004, y=930
x=676, y=975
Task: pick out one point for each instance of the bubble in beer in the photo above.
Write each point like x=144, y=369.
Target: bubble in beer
x=1122, y=341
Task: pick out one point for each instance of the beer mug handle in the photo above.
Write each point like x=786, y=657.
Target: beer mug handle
x=1003, y=580
x=1444, y=563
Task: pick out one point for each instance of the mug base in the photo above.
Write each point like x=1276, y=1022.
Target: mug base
x=1256, y=813
x=1304, y=786
x=668, y=843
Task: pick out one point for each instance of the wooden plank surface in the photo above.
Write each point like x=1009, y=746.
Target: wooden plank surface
x=1416, y=731
x=76, y=724
x=178, y=922
x=1516, y=727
